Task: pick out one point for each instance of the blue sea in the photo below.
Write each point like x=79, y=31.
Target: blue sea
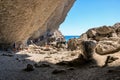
x=70, y=37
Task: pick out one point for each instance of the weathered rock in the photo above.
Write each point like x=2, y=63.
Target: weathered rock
x=88, y=49
x=104, y=30
x=50, y=38
x=101, y=33
x=117, y=28
x=21, y=19
x=91, y=33
x=84, y=36
x=29, y=68
x=108, y=46
x=114, y=34
x=72, y=44
x=99, y=38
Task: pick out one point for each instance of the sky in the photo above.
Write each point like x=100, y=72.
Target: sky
x=86, y=14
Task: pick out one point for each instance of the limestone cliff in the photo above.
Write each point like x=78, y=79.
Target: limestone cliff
x=22, y=19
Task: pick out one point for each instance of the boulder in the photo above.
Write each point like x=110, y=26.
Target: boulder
x=88, y=49
x=72, y=44
x=108, y=46
x=29, y=68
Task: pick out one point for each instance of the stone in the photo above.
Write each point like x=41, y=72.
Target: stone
x=22, y=19
x=101, y=33
x=88, y=49
x=29, y=68
x=72, y=44
x=114, y=35
x=117, y=27
x=108, y=46
x=104, y=30
x=84, y=36
x=91, y=33
x=99, y=38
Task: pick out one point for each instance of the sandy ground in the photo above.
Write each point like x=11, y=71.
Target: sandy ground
x=12, y=65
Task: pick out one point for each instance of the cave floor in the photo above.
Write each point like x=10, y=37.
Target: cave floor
x=12, y=65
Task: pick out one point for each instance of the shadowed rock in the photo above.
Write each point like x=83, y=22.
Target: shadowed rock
x=22, y=19
x=57, y=71
x=88, y=49
x=29, y=68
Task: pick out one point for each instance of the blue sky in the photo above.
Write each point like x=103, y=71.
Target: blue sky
x=86, y=14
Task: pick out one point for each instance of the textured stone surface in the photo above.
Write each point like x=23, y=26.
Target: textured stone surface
x=21, y=19
x=104, y=30
x=88, y=49
x=91, y=33
x=108, y=46
x=107, y=38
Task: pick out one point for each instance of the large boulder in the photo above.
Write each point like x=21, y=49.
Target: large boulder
x=88, y=48
x=108, y=46
x=21, y=19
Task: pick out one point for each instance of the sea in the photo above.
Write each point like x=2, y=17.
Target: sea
x=70, y=37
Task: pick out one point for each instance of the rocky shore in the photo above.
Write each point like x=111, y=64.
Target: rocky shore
x=93, y=56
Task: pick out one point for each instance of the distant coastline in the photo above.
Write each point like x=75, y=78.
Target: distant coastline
x=67, y=37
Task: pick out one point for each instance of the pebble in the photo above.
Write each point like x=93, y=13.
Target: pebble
x=29, y=68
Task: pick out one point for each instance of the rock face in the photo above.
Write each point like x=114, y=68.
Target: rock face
x=22, y=19
x=49, y=38
x=107, y=38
